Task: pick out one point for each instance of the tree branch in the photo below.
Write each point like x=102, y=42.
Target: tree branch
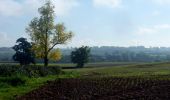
x=53, y=46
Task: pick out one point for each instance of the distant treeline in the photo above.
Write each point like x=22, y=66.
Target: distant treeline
x=108, y=54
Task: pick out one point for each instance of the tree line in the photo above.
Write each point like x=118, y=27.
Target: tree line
x=104, y=54
x=45, y=35
x=123, y=54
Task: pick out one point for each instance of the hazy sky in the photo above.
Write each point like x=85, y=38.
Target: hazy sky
x=94, y=22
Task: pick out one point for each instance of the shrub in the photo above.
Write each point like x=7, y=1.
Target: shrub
x=7, y=70
x=16, y=80
x=12, y=80
x=43, y=71
x=55, y=70
x=4, y=85
x=29, y=70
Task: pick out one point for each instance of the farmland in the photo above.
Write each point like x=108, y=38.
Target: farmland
x=84, y=50
x=143, y=81
x=103, y=89
x=125, y=70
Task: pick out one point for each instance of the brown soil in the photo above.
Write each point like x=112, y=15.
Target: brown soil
x=102, y=89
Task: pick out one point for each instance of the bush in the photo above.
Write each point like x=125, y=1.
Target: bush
x=13, y=80
x=39, y=71
x=7, y=70
x=55, y=70
x=29, y=70
x=16, y=80
x=4, y=85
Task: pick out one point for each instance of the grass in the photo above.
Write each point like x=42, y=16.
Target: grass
x=127, y=70
x=151, y=70
x=8, y=92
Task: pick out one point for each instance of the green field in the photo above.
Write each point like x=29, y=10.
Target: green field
x=151, y=70
x=8, y=92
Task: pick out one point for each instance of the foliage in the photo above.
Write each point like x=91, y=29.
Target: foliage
x=55, y=55
x=153, y=71
x=14, y=80
x=44, y=34
x=80, y=56
x=106, y=54
x=8, y=92
x=29, y=70
x=23, y=52
x=7, y=70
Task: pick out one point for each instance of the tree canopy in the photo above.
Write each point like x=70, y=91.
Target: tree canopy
x=44, y=34
x=80, y=56
x=24, y=54
x=55, y=55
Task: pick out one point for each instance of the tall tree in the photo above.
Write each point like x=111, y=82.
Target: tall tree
x=45, y=34
x=24, y=54
x=55, y=55
x=80, y=56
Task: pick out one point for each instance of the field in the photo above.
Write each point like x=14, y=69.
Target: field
x=103, y=89
x=126, y=70
x=105, y=81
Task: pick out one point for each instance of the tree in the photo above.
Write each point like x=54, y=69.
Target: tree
x=55, y=55
x=24, y=54
x=45, y=34
x=80, y=56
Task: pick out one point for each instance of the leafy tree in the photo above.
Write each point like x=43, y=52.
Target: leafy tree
x=44, y=34
x=24, y=54
x=55, y=55
x=80, y=56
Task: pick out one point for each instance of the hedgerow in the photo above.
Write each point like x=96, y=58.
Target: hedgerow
x=29, y=70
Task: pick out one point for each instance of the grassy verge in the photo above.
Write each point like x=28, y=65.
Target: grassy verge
x=8, y=92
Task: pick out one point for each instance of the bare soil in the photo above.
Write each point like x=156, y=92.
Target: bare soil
x=102, y=89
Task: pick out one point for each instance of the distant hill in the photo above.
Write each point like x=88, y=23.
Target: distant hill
x=109, y=54
x=6, y=54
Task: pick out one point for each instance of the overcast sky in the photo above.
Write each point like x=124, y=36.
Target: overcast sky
x=94, y=22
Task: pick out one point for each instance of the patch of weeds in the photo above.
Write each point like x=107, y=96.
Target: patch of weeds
x=4, y=85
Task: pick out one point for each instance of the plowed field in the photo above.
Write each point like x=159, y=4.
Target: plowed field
x=108, y=88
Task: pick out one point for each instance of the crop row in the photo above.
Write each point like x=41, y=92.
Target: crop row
x=104, y=89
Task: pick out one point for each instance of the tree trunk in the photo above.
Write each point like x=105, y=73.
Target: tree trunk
x=46, y=51
x=45, y=61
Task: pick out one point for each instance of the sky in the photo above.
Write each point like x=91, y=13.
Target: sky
x=94, y=22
